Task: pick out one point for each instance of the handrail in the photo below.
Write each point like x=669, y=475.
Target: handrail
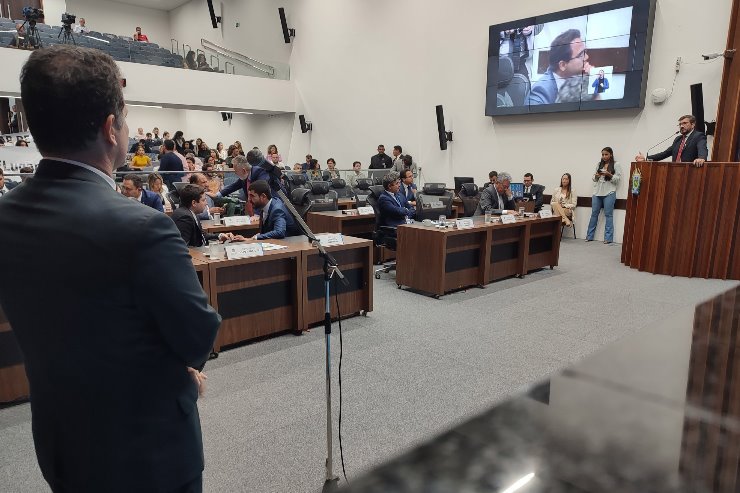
x=173, y=43
x=265, y=68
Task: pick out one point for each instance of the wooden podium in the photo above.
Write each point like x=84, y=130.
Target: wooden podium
x=685, y=221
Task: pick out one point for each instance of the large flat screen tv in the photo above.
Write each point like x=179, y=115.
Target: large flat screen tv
x=587, y=58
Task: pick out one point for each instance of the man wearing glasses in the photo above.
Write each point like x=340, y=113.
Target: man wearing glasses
x=568, y=61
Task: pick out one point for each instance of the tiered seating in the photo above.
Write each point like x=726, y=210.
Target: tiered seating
x=122, y=49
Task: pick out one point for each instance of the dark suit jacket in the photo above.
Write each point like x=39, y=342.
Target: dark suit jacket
x=391, y=213
x=410, y=194
x=170, y=162
x=536, y=193
x=489, y=202
x=191, y=231
x=151, y=199
x=107, y=324
x=279, y=223
x=544, y=91
x=695, y=148
x=379, y=161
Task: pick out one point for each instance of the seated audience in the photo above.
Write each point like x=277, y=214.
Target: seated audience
x=314, y=170
x=189, y=61
x=298, y=167
x=307, y=164
x=394, y=208
x=532, y=191
x=21, y=143
x=215, y=182
x=233, y=152
x=133, y=188
x=201, y=180
x=202, y=64
x=140, y=143
x=192, y=203
x=497, y=199
x=20, y=39
x=275, y=220
x=274, y=158
x=138, y=36
x=156, y=185
x=356, y=174
x=170, y=161
x=80, y=27
x=5, y=185
x=272, y=149
x=331, y=170
x=26, y=173
x=408, y=187
x=189, y=167
x=564, y=200
x=151, y=141
x=216, y=157
x=139, y=134
x=140, y=160
x=406, y=162
x=222, y=155
x=203, y=151
x=492, y=177
x=155, y=137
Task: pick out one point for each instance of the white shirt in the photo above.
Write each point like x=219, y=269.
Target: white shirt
x=4, y=190
x=78, y=29
x=265, y=209
x=107, y=178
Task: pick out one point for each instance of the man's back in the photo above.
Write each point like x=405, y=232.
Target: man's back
x=109, y=314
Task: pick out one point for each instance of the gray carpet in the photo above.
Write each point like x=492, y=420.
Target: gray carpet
x=412, y=368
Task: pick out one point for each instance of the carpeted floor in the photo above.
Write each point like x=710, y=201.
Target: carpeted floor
x=412, y=368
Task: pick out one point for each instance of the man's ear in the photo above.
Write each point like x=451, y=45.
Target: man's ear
x=109, y=130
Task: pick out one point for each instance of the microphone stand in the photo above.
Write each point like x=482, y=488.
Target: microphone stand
x=331, y=268
x=656, y=145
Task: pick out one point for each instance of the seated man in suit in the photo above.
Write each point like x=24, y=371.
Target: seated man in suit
x=393, y=206
x=568, y=60
x=408, y=187
x=5, y=185
x=497, y=199
x=192, y=203
x=133, y=188
x=689, y=147
x=532, y=191
x=276, y=221
x=201, y=180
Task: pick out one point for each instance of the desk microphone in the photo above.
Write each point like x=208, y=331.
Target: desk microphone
x=656, y=145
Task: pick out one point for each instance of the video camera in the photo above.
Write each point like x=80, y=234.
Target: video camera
x=32, y=14
x=68, y=19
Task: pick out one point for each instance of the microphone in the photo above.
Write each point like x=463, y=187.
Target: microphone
x=656, y=145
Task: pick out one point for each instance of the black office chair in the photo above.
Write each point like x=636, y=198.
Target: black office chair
x=470, y=197
x=362, y=191
x=341, y=188
x=174, y=198
x=384, y=236
x=322, y=197
x=296, y=180
x=433, y=201
x=300, y=198
x=377, y=180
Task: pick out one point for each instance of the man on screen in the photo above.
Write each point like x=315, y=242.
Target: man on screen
x=568, y=61
x=689, y=147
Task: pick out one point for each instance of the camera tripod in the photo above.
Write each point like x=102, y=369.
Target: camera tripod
x=69, y=37
x=32, y=35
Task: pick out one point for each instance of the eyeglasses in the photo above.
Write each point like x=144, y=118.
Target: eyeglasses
x=582, y=54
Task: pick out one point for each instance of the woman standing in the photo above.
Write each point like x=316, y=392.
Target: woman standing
x=606, y=181
x=564, y=200
x=179, y=142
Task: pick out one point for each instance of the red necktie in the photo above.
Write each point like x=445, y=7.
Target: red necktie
x=250, y=210
x=680, y=149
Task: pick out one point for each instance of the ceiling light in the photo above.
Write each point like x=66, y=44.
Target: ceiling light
x=145, y=106
x=514, y=487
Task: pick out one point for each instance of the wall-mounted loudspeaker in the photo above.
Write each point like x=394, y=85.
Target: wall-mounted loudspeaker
x=444, y=136
x=215, y=19
x=305, y=125
x=697, y=106
x=287, y=32
x=226, y=116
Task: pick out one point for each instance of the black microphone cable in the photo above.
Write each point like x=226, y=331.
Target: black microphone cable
x=339, y=320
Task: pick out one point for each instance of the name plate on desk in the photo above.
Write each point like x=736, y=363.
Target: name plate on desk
x=237, y=221
x=466, y=223
x=330, y=239
x=545, y=213
x=436, y=204
x=235, y=251
x=508, y=219
x=350, y=212
x=365, y=210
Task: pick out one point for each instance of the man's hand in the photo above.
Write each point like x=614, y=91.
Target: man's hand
x=254, y=219
x=255, y=237
x=639, y=158
x=200, y=380
x=226, y=236
x=217, y=210
x=238, y=238
x=699, y=162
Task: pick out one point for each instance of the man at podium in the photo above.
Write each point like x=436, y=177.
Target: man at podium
x=689, y=147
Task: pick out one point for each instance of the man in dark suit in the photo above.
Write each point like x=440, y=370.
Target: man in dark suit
x=408, y=187
x=689, y=147
x=170, y=162
x=381, y=160
x=113, y=323
x=133, y=188
x=393, y=206
x=497, y=199
x=192, y=204
x=275, y=220
x=532, y=191
x=568, y=60
x=6, y=185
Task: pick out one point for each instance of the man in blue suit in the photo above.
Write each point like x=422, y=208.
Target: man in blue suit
x=170, y=162
x=568, y=59
x=276, y=221
x=394, y=207
x=408, y=187
x=133, y=188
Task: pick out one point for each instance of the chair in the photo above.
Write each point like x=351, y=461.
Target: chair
x=470, y=197
x=301, y=201
x=341, y=188
x=296, y=180
x=384, y=236
x=174, y=198
x=362, y=191
x=572, y=224
x=433, y=201
x=322, y=197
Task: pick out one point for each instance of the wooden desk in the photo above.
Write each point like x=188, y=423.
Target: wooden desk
x=360, y=226
x=438, y=261
x=255, y=296
x=346, y=203
x=247, y=230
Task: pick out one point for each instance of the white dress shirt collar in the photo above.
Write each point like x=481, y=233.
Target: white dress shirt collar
x=107, y=178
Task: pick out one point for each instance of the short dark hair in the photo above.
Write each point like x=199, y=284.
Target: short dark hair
x=190, y=158
x=135, y=179
x=529, y=175
x=78, y=86
x=403, y=172
x=560, y=49
x=194, y=178
x=492, y=174
x=389, y=179
x=254, y=156
x=691, y=118
x=332, y=160
x=169, y=144
x=408, y=160
x=207, y=166
x=148, y=134
x=190, y=193
x=313, y=164
x=398, y=148
x=357, y=162
x=261, y=187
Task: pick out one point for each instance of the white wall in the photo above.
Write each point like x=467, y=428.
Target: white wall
x=372, y=72
x=53, y=10
x=121, y=19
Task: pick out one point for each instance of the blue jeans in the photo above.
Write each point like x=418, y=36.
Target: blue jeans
x=607, y=202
